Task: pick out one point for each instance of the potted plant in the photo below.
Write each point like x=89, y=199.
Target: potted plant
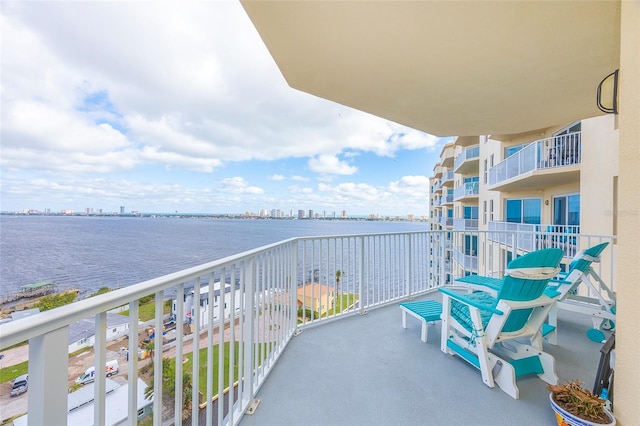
x=575, y=405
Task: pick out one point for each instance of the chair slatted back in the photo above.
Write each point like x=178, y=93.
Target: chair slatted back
x=522, y=289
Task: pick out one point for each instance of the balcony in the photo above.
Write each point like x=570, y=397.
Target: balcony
x=465, y=224
x=467, y=191
x=362, y=369
x=385, y=375
x=446, y=199
x=468, y=160
x=446, y=221
x=446, y=155
x=541, y=164
x=466, y=261
x=447, y=177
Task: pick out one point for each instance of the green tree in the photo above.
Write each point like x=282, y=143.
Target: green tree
x=101, y=290
x=52, y=301
x=169, y=383
x=149, y=347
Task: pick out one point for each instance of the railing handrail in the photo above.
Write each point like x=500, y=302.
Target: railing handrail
x=51, y=320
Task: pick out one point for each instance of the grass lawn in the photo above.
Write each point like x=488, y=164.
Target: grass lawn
x=147, y=311
x=202, y=385
x=13, y=371
x=341, y=303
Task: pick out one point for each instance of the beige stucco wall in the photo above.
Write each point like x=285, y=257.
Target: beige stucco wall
x=599, y=167
x=627, y=378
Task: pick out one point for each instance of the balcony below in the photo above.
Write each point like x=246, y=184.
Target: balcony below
x=447, y=177
x=465, y=224
x=468, y=160
x=368, y=370
x=541, y=164
x=467, y=191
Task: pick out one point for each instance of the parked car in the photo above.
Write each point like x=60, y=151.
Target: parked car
x=20, y=385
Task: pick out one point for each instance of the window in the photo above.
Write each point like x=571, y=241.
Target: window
x=470, y=212
x=486, y=170
x=471, y=245
x=575, y=127
x=509, y=151
x=566, y=210
x=491, y=210
x=526, y=210
x=484, y=212
x=449, y=213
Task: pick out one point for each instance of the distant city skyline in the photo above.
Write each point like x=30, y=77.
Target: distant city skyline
x=260, y=213
x=161, y=118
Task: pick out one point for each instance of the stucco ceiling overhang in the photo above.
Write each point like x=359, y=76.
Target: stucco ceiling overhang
x=447, y=68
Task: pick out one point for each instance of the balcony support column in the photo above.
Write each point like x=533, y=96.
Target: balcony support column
x=48, y=369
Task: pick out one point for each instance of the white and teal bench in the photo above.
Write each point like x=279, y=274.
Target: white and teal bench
x=427, y=311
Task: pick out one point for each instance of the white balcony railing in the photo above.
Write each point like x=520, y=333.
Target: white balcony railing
x=468, y=189
x=528, y=237
x=468, y=262
x=334, y=276
x=547, y=153
x=446, y=177
x=469, y=153
x=446, y=221
x=465, y=224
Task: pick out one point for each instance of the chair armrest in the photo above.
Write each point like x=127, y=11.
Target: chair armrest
x=552, y=294
x=555, y=280
x=461, y=298
x=477, y=281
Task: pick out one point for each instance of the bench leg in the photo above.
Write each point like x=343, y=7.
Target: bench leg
x=425, y=331
x=404, y=319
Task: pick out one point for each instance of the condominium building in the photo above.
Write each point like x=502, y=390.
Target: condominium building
x=560, y=179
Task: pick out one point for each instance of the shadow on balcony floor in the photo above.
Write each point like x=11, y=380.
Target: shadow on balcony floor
x=368, y=370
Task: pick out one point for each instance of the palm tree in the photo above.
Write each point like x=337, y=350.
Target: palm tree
x=149, y=347
x=338, y=277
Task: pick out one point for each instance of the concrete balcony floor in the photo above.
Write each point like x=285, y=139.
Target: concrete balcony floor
x=368, y=370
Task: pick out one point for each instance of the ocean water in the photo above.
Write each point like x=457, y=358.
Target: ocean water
x=87, y=253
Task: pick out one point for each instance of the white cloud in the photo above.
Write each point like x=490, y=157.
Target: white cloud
x=413, y=186
x=329, y=164
x=237, y=185
x=187, y=88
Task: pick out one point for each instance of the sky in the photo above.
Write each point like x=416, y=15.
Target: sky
x=178, y=106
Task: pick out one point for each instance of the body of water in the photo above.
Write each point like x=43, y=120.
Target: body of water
x=92, y=252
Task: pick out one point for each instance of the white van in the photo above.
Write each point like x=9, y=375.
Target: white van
x=89, y=376
x=20, y=385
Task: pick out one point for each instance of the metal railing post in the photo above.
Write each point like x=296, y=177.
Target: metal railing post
x=249, y=338
x=100, y=359
x=361, y=276
x=132, y=358
x=47, y=380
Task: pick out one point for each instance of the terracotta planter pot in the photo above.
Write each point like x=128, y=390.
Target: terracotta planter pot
x=565, y=418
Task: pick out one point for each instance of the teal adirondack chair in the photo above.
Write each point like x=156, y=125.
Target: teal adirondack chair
x=500, y=334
